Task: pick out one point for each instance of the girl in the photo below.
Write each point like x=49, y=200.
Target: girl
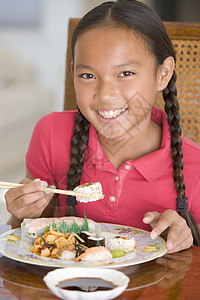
x=122, y=56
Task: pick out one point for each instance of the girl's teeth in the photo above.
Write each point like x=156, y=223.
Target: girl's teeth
x=111, y=113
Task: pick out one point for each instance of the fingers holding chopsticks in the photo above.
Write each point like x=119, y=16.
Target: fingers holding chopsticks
x=28, y=200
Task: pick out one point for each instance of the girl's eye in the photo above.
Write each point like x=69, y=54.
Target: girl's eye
x=126, y=74
x=87, y=76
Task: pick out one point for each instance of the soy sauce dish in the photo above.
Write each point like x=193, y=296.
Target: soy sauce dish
x=86, y=283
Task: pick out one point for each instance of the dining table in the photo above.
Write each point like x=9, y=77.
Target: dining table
x=172, y=276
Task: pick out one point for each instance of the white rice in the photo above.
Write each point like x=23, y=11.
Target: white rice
x=66, y=254
x=92, y=189
x=126, y=244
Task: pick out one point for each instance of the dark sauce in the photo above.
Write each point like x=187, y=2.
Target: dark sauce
x=86, y=284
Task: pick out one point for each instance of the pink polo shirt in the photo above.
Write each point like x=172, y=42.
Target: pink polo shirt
x=138, y=186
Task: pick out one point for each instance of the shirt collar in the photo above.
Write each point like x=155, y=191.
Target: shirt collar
x=150, y=166
x=95, y=153
x=153, y=165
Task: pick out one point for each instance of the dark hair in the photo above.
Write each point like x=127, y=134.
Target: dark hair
x=136, y=16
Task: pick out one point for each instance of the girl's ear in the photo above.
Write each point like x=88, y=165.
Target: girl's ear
x=165, y=73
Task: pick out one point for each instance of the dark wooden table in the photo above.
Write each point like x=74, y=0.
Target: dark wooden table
x=175, y=276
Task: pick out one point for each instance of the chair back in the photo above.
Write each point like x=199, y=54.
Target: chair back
x=186, y=40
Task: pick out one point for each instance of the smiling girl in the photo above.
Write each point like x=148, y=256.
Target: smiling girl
x=121, y=58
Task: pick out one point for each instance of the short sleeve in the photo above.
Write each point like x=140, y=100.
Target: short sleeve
x=38, y=156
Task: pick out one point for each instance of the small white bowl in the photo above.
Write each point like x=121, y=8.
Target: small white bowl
x=53, y=278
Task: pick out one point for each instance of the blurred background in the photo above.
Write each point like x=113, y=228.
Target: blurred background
x=33, y=43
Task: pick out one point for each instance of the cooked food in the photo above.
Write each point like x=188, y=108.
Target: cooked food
x=70, y=246
x=92, y=189
x=60, y=245
x=95, y=254
x=74, y=240
x=126, y=244
x=33, y=228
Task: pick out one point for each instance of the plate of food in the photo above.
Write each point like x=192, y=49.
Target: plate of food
x=79, y=242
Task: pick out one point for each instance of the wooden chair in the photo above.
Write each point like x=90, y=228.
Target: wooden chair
x=186, y=40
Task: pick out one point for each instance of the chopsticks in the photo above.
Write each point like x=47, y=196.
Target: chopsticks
x=10, y=185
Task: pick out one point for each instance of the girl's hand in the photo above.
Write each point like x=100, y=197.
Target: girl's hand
x=179, y=236
x=28, y=201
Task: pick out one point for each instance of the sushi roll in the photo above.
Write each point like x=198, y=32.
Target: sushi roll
x=94, y=241
x=126, y=244
x=85, y=235
x=92, y=189
x=95, y=254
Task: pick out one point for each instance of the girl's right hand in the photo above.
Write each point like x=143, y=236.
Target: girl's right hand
x=28, y=201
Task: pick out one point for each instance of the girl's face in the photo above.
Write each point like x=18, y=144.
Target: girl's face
x=115, y=79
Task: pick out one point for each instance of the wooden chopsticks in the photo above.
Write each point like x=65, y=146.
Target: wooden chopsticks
x=10, y=185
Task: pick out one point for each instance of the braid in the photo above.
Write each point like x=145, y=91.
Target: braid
x=78, y=144
x=172, y=111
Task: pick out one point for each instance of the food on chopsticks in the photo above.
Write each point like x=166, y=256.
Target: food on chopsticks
x=10, y=185
x=33, y=228
x=94, y=190
x=91, y=191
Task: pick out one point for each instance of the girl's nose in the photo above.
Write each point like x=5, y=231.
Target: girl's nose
x=106, y=91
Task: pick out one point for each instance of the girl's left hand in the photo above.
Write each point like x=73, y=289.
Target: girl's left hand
x=179, y=236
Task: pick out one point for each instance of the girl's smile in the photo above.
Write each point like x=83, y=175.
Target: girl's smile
x=111, y=114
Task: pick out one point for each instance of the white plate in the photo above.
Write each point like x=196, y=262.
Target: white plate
x=20, y=250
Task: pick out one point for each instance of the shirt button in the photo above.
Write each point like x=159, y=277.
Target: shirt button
x=117, y=178
x=127, y=167
x=112, y=199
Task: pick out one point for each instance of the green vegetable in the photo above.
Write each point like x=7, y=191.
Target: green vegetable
x=67, y=228
x=85, y=226
x=117, y=253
